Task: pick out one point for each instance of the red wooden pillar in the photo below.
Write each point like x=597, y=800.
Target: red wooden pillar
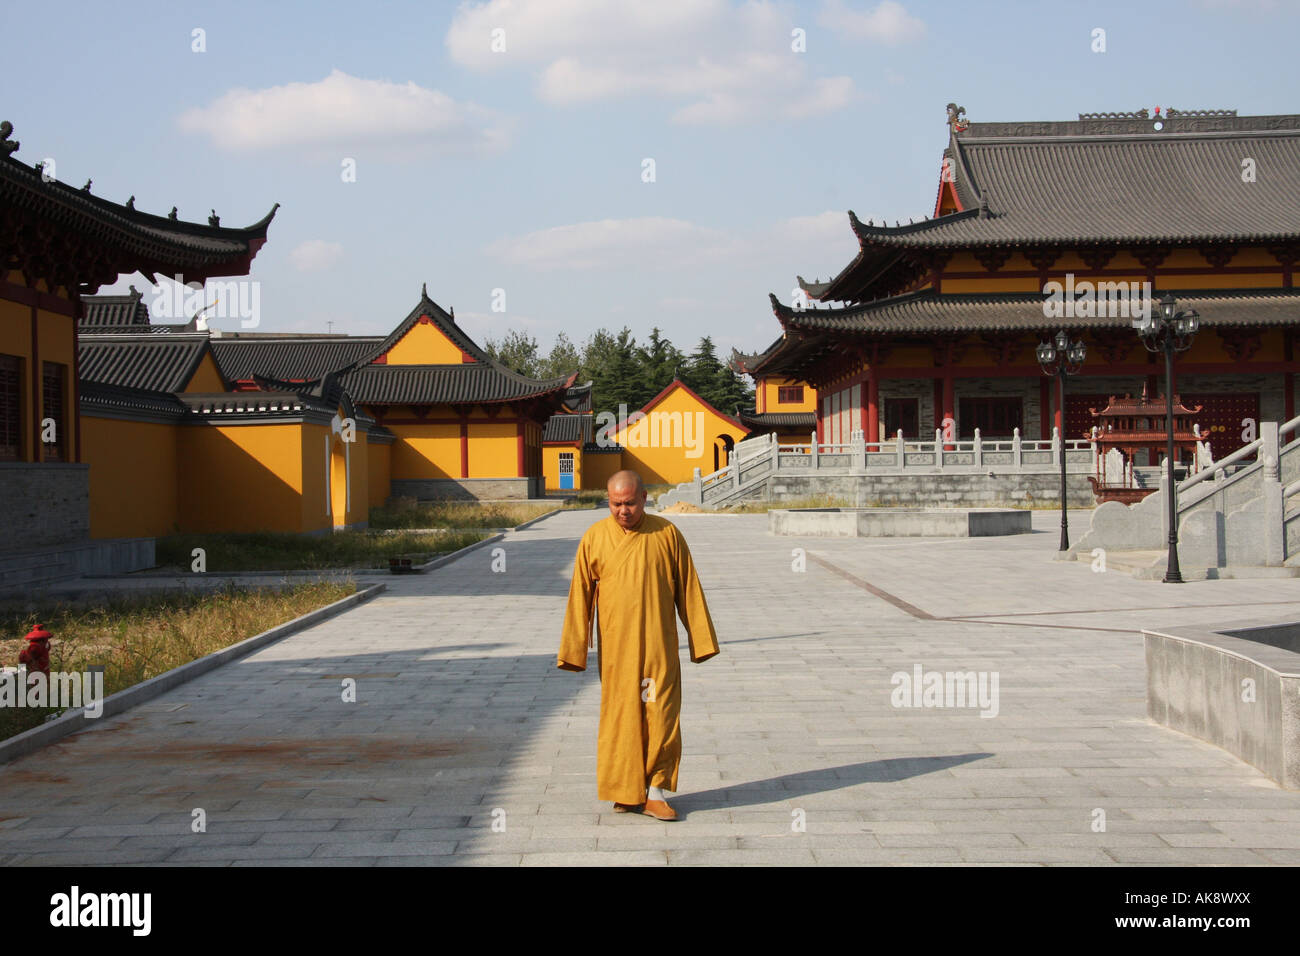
x=464, y=446
x=949, y=405
x=1059, y=418
x=873, y=409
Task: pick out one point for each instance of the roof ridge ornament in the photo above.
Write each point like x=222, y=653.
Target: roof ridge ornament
x=1135, y=114
x=957, y=118
x=1173, y=112
x=7, y=146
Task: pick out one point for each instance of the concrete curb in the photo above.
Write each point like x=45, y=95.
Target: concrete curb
x=76, y=720
x=541, y=517
x=448, y=558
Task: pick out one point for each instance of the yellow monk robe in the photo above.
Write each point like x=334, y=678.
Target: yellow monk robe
x=644, y=575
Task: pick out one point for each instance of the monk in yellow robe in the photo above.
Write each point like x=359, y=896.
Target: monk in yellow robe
x=642, y=569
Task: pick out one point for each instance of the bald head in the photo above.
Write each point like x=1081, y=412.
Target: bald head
x=625, y=479
x=626, y=498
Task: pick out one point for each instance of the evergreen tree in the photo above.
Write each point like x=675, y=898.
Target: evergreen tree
x=715, y=382
x=611, y=365
x=660, y=362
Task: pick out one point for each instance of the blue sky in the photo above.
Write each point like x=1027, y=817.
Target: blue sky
x=521, y=169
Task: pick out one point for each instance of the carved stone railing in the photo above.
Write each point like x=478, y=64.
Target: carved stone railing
x=757, y=459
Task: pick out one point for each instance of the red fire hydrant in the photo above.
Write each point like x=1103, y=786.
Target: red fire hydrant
x=36, y=655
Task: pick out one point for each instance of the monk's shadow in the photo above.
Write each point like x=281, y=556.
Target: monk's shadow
x=789, y=786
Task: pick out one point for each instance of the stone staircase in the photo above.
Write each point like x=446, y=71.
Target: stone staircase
x=751, y=463
x=1240, y=517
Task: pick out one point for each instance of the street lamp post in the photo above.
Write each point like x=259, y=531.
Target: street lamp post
x=1165, y=329
x=1061, y=357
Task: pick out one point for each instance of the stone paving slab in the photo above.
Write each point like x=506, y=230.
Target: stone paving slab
x=466, y=746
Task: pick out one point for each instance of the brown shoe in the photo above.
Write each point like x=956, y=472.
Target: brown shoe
x=627, y=808
x=660, y=810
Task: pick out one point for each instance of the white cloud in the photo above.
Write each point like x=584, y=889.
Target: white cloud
x=315, y=255
x=723, y=62
x=346, y=113
x=888, y=22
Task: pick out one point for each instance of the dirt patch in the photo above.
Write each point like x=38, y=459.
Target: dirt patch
x=33, y=776
x=682, y=508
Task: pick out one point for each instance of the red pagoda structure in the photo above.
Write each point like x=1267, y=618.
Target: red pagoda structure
x=1129, y=426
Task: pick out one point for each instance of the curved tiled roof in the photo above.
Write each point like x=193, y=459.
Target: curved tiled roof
x=1096, y=183
x=116, y=311
x=101, y=397
x=444, y=320
x=925, y=312
x=564, y=427
x=443, y=384
x=241, y=359
x=127, y=239
x=154, y=363
x=778, y=419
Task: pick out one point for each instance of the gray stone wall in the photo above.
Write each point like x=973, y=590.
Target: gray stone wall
x=938, y=491
x=467, y=489
x=1194, y=685
x=44, y=504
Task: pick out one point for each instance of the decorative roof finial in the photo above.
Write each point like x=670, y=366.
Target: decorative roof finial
x=86, y=188
x=130, y=204
x=957, y=118
x=424, y=290
x=7, y=146
x=214, y=219
x=172, y=215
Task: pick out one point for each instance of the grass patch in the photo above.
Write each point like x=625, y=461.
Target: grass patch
x=137, y=637
x=273, y=551
x=408, y=513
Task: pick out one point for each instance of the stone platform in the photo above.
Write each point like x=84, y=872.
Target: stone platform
x=899, y=522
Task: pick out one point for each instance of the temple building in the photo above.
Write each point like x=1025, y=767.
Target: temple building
x=1042, y=226
x=665, y=440
x=782, y=406
x=59, y=243
x=300, y=433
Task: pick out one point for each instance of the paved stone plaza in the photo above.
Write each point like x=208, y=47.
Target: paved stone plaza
x=462, y=721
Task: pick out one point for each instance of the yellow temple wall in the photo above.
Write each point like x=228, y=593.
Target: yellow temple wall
x=133, y=477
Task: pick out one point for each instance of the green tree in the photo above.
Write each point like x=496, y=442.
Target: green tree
x=661, y=362
x=714, y=380
x=562, y=360
x=517, y=352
